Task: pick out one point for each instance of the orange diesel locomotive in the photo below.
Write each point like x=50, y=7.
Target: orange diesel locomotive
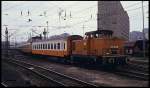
x=97, y=47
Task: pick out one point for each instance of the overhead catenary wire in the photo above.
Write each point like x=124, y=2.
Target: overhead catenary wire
x=136, y=8
x=133, y=5
x=81, y=17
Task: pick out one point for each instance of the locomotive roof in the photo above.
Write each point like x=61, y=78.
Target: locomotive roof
x=100, y=32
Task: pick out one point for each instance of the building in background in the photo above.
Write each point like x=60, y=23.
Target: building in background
x=136, y=48
x=112, y=16
x=135, y=35
x=146, y=32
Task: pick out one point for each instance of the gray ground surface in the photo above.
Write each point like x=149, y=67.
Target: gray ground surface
x=90, y=75
x=11, y=77
x=95, y=76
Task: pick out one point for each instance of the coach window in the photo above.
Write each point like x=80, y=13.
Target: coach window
x=54, y=45
x=43, y=46
x=39, y=46
x=32, y=46
x=58, y=45
x=35, y=47
x=46, y=46
x=64, y=46
x=51, y=45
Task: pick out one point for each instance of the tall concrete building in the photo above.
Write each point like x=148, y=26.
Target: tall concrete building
x=112, y=16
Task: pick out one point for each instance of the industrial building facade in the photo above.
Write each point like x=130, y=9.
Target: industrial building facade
x=112, y=16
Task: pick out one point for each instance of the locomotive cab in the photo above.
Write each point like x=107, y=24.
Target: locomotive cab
x=99, y=34
x=101, y=45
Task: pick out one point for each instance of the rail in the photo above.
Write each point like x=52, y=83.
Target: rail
x=4, y=84
x=59, y=78
x=132, y=73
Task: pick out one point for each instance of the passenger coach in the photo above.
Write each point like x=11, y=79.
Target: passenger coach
x=50, y=47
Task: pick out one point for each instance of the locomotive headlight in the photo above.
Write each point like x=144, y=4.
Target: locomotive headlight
x=111, y=46
x=114, y=46
x=107, y=53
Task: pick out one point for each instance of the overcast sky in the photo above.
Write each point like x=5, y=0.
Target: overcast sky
x=78, y=13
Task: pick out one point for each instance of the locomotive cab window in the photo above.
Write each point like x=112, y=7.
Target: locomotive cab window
x=114, y=50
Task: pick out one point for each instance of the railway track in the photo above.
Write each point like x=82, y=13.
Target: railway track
x=138, y=70
x=141, y=68
x=143, y=63
x=3, y=84
x=132, y=73
x=58, y=78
